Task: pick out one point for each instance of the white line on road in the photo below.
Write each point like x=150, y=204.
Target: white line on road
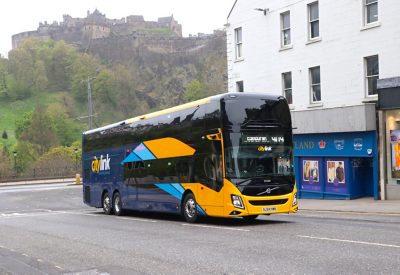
x=48, y=212
x=216, y=227
x=136, y=219
x=349, y=212
x=349, y=241
x=38, y=186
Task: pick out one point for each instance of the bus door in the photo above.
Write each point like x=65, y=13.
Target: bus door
x=210, y=173
x=131, y=170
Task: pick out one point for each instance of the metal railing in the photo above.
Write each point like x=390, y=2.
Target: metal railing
x=41, y=173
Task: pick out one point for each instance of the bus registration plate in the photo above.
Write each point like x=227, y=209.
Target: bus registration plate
x=268, y=209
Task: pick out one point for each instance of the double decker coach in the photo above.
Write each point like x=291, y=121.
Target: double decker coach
x=229, y=155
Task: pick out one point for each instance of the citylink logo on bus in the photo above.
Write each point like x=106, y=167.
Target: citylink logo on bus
x=101, y=164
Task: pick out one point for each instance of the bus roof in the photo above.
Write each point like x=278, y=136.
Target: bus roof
x=180, y=107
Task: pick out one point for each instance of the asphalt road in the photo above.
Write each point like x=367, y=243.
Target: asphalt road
x=46, y=229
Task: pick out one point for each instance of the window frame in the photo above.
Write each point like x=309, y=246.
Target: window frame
x=285, y=89
x=314, y=84
x=366, y=7
x=284, y=30
x=238, y=43
x=367, y=77
x=312, y=22
x=240, y=86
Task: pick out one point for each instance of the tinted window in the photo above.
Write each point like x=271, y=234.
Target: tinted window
x=242, y=111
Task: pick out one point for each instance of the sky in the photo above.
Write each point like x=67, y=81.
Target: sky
x=195, y=16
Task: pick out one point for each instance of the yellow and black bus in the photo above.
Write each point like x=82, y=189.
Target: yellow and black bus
x=229, y=155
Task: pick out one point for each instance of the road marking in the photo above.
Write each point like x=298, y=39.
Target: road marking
x=216, y=227
x=33, y=188
x=48, y=212
x=349, y=212
x=59, y=267
x=136, y=219
x=349, y=241
x=97, y=215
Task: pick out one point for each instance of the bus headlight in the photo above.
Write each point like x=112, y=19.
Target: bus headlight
x=294, y=199
x=237, y=201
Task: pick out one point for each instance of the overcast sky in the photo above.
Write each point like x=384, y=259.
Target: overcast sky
x=194, y=15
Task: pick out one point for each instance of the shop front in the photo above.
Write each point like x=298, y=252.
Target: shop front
x=336, y=165
x=389, y=137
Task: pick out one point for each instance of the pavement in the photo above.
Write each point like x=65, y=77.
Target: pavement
x=363, y=205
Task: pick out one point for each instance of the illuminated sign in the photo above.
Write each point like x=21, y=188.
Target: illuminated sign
x=101, y=164
x=264, y=149
x=263, y=139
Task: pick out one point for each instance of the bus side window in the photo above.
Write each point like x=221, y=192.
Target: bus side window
x=139, y=165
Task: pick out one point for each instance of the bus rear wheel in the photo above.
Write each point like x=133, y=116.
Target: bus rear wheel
x=117, y=204
x=189, y=210
x=106, y=202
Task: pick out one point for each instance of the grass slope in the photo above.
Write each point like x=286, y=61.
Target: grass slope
x=10, y=111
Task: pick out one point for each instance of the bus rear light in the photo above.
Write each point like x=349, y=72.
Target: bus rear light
x=237, y=201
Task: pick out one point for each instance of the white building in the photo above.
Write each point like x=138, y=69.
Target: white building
x=325, y=57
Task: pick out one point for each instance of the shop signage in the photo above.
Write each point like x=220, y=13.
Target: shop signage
x=357, y=144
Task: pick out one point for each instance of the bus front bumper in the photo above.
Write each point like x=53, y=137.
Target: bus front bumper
x=264, y=205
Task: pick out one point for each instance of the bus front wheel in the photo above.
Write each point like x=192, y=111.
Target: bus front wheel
x=106, y=203
x=189, y=210
x=117, y=204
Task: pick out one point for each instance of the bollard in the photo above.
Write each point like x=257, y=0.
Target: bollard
x=78, y=179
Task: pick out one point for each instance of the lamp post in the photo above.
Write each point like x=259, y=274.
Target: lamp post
x=15, y=163
x=76, y=159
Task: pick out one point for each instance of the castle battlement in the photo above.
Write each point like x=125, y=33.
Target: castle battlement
x=96, y=25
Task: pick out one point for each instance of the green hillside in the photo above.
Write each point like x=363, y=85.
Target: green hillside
x=44, y=88
x=11, y=111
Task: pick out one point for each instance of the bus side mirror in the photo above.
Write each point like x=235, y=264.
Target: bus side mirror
x=214, y=136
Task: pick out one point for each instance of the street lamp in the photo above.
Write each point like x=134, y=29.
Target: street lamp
x=15, y=163
x=76, y=159
x=90, y=106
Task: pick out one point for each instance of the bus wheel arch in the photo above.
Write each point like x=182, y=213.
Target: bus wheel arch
x=106, y=202
x=189, y=207
x=117, y=203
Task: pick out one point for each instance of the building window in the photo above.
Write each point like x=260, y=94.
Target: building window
x=371, y=74
x=315, y=84
x=238, y=43
x=370, y=11
x=313, y=20
x=239, y=87
x=285, y=28
x=287, y=86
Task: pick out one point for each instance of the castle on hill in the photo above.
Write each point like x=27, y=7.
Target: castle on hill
x=96, y=25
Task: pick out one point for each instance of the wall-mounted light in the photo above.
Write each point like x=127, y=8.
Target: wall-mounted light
x=263, y=10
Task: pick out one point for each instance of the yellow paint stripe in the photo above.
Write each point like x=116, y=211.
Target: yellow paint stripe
x=170, y=110
x=169, y=148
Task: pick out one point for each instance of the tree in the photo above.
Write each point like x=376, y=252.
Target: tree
x=23, y=124
x=40, y=82
x=104, y=88
x=194, y=90
x=40, y=132
x=3, y=75
x=4, y=135
x=58, y=160
x=66, y=129
x=60, y=66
